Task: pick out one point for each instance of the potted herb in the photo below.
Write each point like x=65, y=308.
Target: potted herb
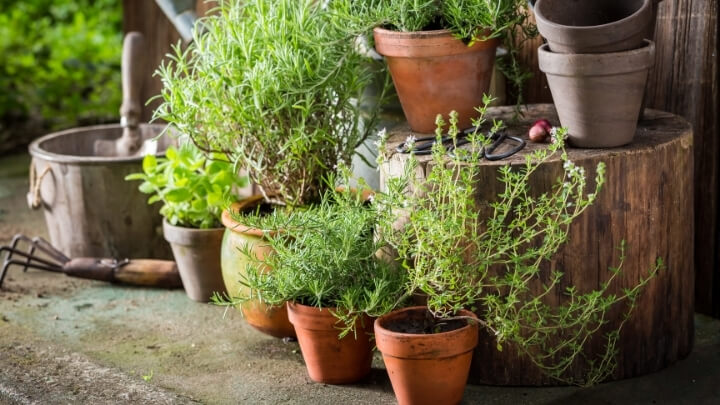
x=441, y=52
x=277, y=87
x=462, y=254
x=326, y=269
x=193, y=190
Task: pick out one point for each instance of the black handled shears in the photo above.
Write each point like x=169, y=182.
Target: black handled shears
x=423, y=146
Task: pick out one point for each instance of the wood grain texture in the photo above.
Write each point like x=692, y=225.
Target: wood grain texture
x=647, y=201
x=146, y=17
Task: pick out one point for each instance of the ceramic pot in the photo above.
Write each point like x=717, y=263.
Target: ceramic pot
x=594, y=26
x=425, y=368
x=598, y=96
x=197, y=254
x=331, y=360
x=436, y=73
x=238, y=238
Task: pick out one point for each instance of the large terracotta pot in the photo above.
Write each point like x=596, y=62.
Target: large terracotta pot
x=238, y=238
x=197, y=254
x=329, y=359
x=594, y=26
x=598, y=96
x=426, y=368
x=436, y=73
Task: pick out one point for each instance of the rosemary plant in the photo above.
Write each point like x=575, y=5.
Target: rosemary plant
x=277, y=86
x=461, y=258
x=324, y=256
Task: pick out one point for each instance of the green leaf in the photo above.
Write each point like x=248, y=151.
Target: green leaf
x=146, y=188
x=135, y=176
x=149, y=163
x=171, y=154
x=178, y=195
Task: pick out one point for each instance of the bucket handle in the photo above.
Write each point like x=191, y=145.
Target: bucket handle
x=33, y=196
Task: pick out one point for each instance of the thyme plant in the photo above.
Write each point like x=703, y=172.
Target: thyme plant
x=324, y=256
x=277, y=86
x=461, y=256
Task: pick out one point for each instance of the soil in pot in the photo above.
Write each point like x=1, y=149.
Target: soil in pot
x=594, y=26
x=328, y=358
x=436, y=73
x=428, y=360
x=598, y=96
x=197, y=254
x=272, y=320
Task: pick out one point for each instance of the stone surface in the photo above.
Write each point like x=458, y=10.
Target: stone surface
x=73, y=341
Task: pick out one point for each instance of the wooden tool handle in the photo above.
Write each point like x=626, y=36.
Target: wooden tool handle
x=149, y=273
x=133, y=64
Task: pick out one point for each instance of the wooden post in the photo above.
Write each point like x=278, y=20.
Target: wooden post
x=647, y=202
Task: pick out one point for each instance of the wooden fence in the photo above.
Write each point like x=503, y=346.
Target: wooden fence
x=684, y=81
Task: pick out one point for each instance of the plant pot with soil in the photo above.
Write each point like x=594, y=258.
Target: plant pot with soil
x=467, y=251
x=325, y=268
x=598, y=96
x=594, y=26
x=193, y=190
x=279, y=90
x=441, y=53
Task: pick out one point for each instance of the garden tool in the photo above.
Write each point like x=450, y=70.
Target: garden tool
x=423, y=146
x=138, y=272
x=130, y=144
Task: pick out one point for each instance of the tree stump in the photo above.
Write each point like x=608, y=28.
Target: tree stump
x=647, y=201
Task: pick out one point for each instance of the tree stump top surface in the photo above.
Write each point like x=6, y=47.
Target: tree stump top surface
x=657, y=129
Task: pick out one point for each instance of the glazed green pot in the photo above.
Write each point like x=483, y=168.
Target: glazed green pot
x=238, y=238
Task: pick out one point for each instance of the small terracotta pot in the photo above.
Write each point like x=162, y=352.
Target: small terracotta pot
x=271, y=320
x=594, y=26
x=426, y=368
x=598, y=96
x=197, y=254
x=329, y=359
x=436, y=73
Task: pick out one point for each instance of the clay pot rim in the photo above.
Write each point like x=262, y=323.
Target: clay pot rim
x=315, y=318
x=423, y=44
x=582, y=64
x=543, y=20
x=381, y=329
x=183, y=235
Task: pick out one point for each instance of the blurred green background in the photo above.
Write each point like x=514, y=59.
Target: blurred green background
x=59, y=66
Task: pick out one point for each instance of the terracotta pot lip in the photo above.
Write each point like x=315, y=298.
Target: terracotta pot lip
x=413, y=34
x=236, y=226
x=190, y=229
x=379, y=328
x=543, y=20
x=587, y=64
x=426, y=44
x=310, y=309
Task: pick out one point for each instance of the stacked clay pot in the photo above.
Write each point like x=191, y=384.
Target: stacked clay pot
x=597, y=60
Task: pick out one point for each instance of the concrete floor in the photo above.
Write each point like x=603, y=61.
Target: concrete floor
x=72, y=341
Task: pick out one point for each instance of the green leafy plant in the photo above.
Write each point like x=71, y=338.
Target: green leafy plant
x=275, y=85
x=193, y=188
x=461, y=253
x=324, y=256
x=59, y=65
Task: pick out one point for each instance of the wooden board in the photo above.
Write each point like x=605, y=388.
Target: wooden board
x=647, y=201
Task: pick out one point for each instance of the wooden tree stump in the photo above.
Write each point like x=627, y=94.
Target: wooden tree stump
x=647, y=201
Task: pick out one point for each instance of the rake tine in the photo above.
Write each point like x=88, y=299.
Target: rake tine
x=30, y=259
x=7, y=263
x=50, y=250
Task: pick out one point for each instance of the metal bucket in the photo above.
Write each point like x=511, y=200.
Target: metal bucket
x=90, y=210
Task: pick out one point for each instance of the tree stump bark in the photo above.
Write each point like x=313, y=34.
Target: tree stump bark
x=647, y=201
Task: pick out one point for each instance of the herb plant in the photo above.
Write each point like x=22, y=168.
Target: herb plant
x=275, y=85
x=193, y=188
x=324, y=256
x=462, y=255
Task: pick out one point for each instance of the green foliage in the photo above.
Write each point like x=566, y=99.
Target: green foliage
x=463, y=253
x=275, y=85
x=59, y=62
x=194, y=189
x=325, y=256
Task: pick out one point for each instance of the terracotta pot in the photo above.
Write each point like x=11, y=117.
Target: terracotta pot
x=426, y=368
x=272, y=320
x=328, y=359
x=594, y=26
x=598, y=96
x=197, y=254
x=435, y=73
